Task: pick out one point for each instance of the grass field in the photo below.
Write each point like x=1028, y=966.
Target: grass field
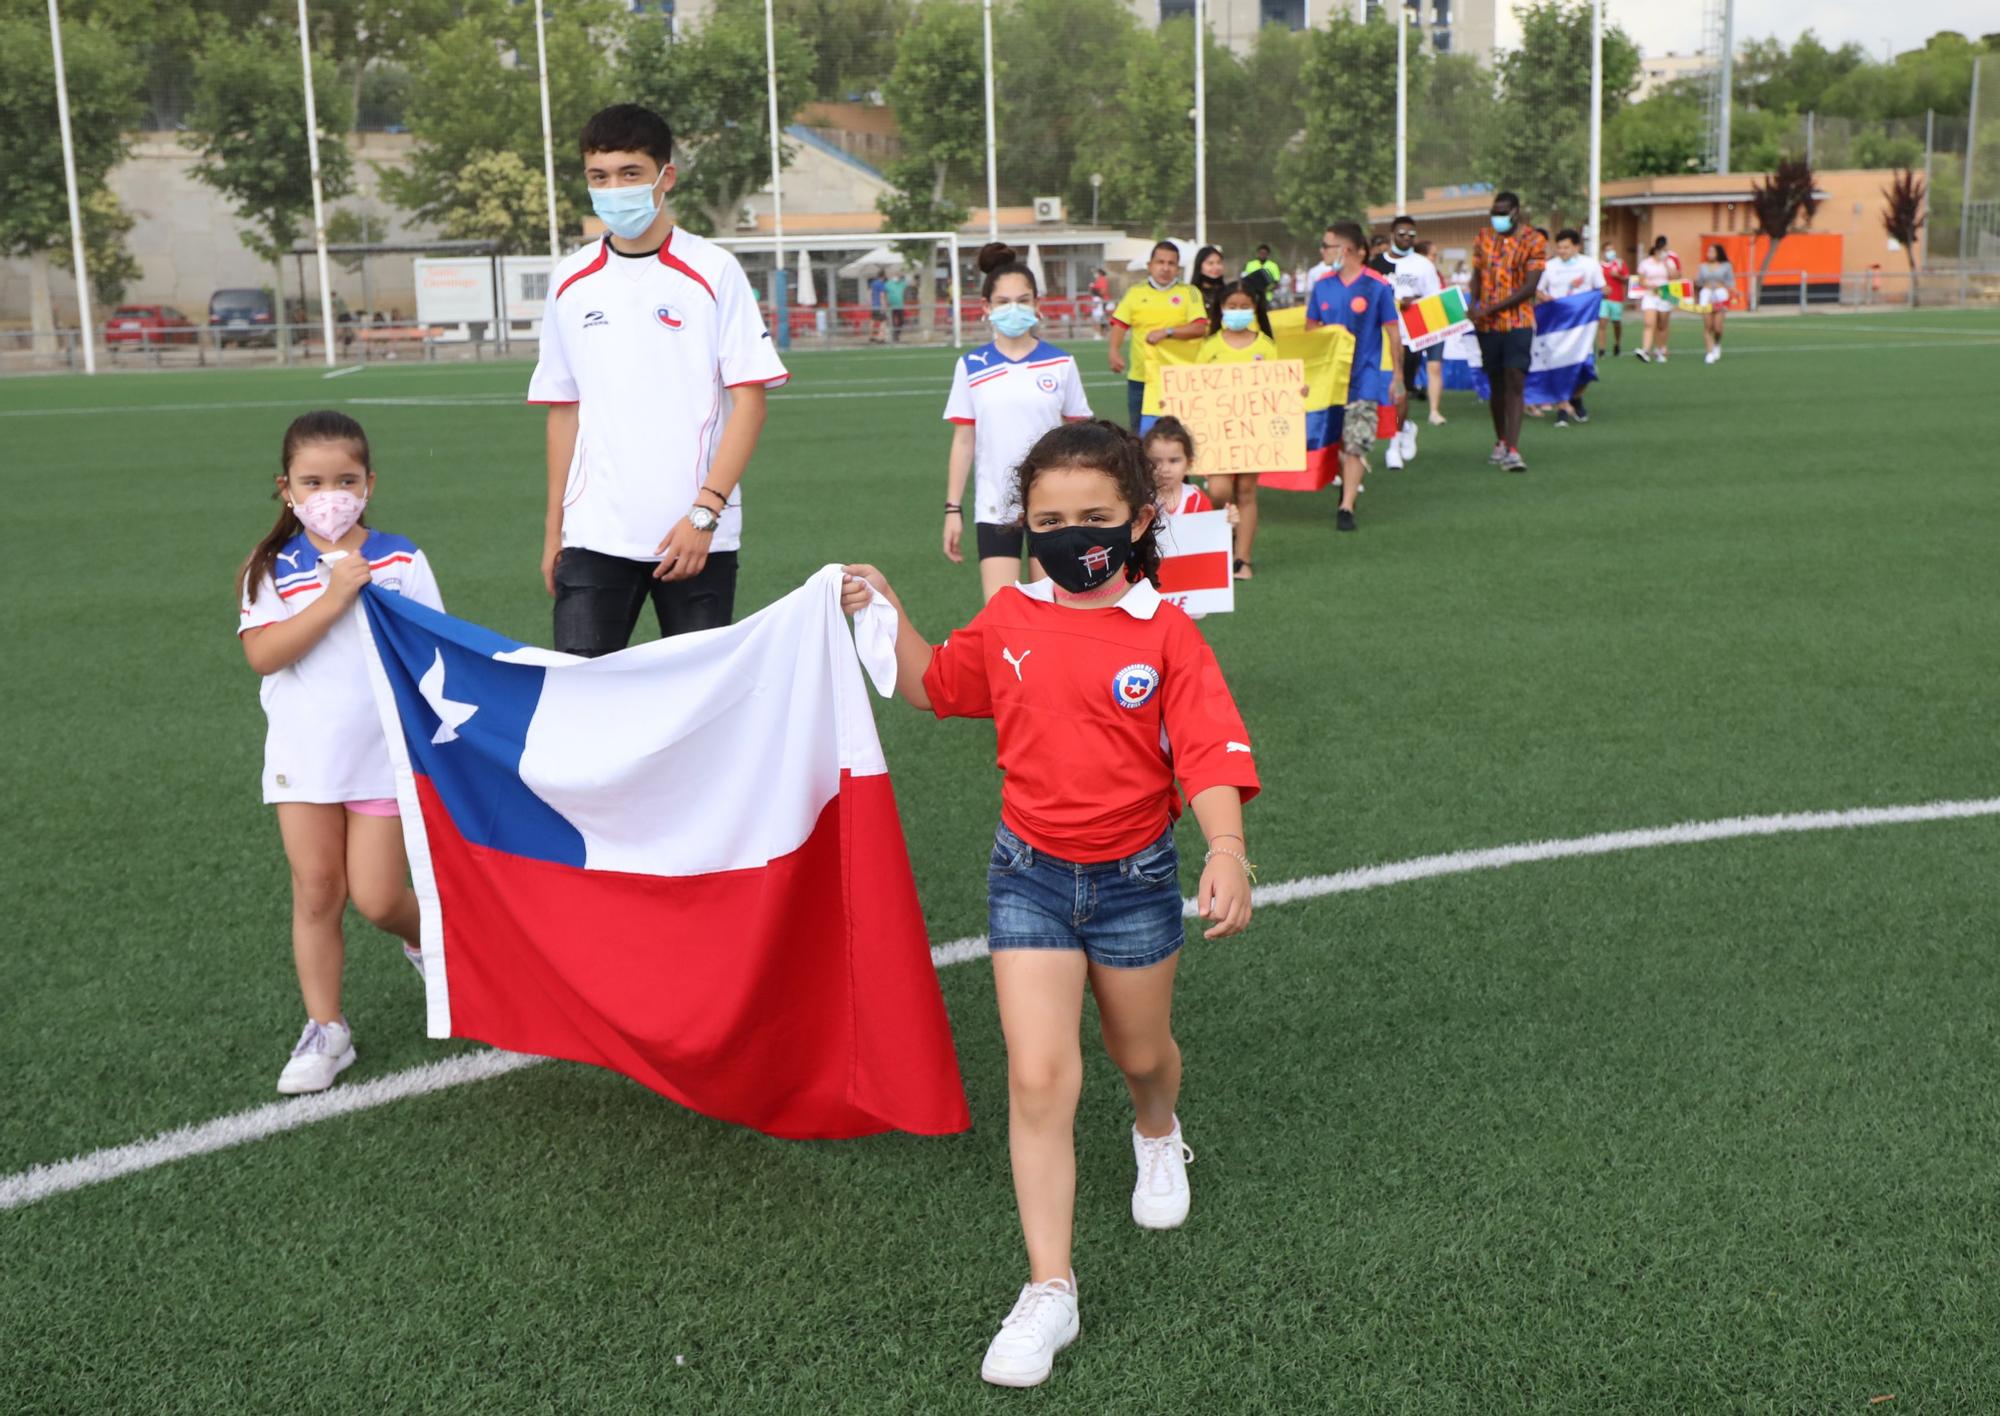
x=1702, y=1127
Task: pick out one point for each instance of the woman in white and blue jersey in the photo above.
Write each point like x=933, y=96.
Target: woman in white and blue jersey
x=1004, y=396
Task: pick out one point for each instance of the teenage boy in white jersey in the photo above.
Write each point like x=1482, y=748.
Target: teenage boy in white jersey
x=1569, y=272
x=1415, y=278
x=654, y=363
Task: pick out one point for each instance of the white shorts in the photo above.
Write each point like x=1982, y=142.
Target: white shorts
x=1716, y=297
x=1655, y=304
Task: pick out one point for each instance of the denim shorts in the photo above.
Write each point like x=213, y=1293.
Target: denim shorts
x=1123, y=914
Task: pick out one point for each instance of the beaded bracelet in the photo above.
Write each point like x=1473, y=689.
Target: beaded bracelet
x=1237, y=856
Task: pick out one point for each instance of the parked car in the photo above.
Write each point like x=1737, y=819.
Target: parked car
x=148, y=324
x=243, y=316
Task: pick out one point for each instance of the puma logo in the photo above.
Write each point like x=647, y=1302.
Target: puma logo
x=982, y=359
x=1237, y=747
x=290, y=558
x=1014, y=663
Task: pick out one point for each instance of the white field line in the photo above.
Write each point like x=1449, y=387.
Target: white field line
x=40, y=1182
x=343, y=373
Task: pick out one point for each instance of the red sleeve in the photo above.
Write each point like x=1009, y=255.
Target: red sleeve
x=956, y=682
x=1211, y=747
x=1198, y=500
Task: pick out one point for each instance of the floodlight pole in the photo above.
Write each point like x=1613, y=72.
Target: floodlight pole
x=783, y=333
x=1402, y=106
x=319, y=197
x=992, y=143
x=83, y=315
x=548, y=142
x=1593, y=242
x=1930, y=133
x=1971, y=136
x=1200, y=125
x=1728, y=81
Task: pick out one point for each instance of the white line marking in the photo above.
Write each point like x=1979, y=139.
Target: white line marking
x=343, y=373
x=40, y=1182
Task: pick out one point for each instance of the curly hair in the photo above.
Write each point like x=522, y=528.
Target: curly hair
x=1103, y=446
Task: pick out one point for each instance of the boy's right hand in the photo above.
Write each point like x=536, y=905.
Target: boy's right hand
x=347, y=575
x=863, y=583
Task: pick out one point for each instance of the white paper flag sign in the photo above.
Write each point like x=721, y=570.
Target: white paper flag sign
x=1195, y=562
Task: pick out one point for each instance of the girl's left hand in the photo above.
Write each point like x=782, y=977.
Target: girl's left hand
x=1234, y=518
x=1224, y=896
x=858, y=589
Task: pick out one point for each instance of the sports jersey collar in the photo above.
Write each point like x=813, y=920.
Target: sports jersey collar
x=1141, y=602
x=1042, y=350
x=1163, y=289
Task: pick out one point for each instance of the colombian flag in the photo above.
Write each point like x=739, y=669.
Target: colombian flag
x=1435, y=318
x=1328, y=355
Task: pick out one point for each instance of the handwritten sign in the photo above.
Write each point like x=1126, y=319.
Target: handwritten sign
x=1245, y=417
x=1196, y=571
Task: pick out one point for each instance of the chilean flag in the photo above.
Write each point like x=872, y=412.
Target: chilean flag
x=681, y=861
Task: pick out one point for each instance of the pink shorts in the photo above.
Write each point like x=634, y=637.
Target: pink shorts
x=375, y=806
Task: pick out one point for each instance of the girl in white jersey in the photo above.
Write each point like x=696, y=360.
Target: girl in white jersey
x=326, y=763
x=1004, y=396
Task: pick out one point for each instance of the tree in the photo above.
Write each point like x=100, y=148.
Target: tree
x=711, y=88
x=1541, y=145
x=851, y=44
x=347, y=227
x=34, y=203
x=113, y=267
x=1253, y=116
x=499, y=198
x=1060, y=65
x=1795, y=80
x=1346, y=158
x=1903, y=217
x=1777, y=202
x=1665, y=134
x=247, y=119
x=1450, y=119
x=479, y=95
x=937, y=92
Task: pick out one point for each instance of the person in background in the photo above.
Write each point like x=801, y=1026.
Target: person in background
x=1362, y=302
x=1264, y=270
x=1656, y=268
x=1162, y=306
x=1434, y=356
x=1211, y=274
x=1617, y=275
x=1414, y=279
x=1507, y=260
x=894, y=289
x=1378, y=252
x=1244, y=338
x=1715, y=279
x=1004, y=396
x=1570, y=272
x=877, y=311
x=1170, y=452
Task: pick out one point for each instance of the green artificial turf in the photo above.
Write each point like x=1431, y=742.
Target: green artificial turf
x=1701, y=1127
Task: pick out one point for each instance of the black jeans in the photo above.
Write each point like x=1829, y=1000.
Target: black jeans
x=598, y=599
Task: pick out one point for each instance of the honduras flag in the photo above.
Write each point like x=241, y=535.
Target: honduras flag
x=681, y=861
x=1565, y=357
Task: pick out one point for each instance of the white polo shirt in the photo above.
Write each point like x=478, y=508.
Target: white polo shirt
x=323, y=737
x=648, y=347
x=1415, y=278
x=1010, y=403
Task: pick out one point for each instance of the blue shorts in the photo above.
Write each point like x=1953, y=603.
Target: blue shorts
x=1123, y=914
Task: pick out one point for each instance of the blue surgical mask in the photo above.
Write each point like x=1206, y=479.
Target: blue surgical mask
x=1014, y=320
x=626, y=211
x=1238, y=319
x=1503, y=224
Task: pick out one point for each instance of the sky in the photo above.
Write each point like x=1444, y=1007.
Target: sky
x=1674, y=26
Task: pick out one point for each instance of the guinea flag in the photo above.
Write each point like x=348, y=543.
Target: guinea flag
x=1681, y=292
x=1435, y=318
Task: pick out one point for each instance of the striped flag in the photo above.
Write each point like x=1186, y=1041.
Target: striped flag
x=1435, y=318
x=1563, y=359
x=1681, y=292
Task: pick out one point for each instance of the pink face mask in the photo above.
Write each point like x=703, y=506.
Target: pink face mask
x=330, y=515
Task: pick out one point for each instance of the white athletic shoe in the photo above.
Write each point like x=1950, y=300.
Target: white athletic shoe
x=1160, y=1196
x=416, y=958
x=324, y=1051
x=1394, y=456
x=1043, y=1322
x=1409, y=436
x=1711, y=356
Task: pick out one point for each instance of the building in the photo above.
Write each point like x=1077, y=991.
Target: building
x=1657, y=71
x=1684, y=209
x=1448, y=26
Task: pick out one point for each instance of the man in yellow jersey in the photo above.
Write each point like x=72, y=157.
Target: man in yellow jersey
x=1162, y=307
x=1266, y=270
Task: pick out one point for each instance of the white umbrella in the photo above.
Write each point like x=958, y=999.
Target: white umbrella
x=808, y=292
x=880, y=261
x=1034, y=264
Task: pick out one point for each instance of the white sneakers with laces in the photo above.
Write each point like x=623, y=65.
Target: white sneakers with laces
x=1043, y=1322
x=1160, y=1196
x=1408, y=438
x=324, y=1051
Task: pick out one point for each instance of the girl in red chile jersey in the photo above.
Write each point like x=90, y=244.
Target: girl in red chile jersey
x=1102, y=694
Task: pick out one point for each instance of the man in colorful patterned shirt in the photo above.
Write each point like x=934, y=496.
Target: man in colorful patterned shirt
x=1507, y=261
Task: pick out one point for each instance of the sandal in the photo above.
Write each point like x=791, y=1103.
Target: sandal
x=1243, y=570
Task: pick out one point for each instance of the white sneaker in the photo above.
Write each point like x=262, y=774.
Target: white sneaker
x=1160, y=1197
x=416, y=958
x=1043, y=1322
x=324, y=1051
x=1394, y=456
x=1409, y=436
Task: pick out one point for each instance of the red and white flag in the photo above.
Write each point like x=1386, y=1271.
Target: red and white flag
x=682, y=861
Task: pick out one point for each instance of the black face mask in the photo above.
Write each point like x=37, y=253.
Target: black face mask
x=1081, y=558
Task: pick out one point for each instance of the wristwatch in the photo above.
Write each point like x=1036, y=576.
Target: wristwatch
x=703, y=518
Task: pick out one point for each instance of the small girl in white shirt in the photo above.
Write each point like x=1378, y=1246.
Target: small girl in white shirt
x=326, y=762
